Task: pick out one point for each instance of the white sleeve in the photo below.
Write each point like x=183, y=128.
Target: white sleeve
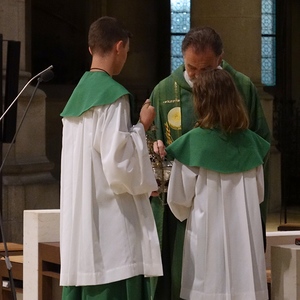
x=123, y=150
x=181, y=190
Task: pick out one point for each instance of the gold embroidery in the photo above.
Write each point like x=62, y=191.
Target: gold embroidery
x=168, y=134
x=171, y=101
x=176, y=91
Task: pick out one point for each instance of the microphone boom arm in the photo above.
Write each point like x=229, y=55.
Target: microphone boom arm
x=13, y=102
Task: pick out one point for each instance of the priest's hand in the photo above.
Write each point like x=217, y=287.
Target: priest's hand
x=155, y=194
x=159, y=148
x=147, y=114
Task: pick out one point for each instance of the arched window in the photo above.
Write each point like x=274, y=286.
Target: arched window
x=268, y=42
x=180, y=25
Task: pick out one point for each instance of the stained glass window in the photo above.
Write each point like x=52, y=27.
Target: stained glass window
x=180, y=25
x=268, y=42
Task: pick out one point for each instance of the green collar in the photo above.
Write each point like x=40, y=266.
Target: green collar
x=93, y=89
x=214, y=150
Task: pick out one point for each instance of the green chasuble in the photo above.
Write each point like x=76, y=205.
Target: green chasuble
x=135, y=288
x=175, y=116
x=94, y=89
x=172, y=99
x=224, y=153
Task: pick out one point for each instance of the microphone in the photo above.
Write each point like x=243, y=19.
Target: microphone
x=45, y=76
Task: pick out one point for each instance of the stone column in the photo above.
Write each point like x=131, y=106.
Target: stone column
x=239, y=25
x=27, y=181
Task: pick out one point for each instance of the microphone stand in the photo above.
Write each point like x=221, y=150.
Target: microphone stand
x=6, y=257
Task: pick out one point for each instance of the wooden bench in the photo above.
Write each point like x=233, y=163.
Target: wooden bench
x=17, y=273
x=289, y=227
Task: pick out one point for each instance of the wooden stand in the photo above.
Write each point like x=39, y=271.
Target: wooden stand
x=49, y=268
x=15, y=252
x=17, y=271
x=289, y=227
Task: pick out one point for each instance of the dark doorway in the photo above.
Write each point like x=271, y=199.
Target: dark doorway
x=287, y=102
x=59, y=38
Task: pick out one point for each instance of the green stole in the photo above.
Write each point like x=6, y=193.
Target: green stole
x=220, y=152
x=94, y=89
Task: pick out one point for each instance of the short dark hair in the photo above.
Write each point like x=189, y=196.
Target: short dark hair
x=104, y=33
x=201, y=39
x=218, y=103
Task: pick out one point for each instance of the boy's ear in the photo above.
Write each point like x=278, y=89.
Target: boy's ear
x=118, y=46
x=90, y=50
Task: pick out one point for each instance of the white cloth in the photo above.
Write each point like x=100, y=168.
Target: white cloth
x=108, y=231
x=223, y=247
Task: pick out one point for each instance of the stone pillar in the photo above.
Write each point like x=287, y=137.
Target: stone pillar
x=12, y=23
x=239, y=25
x=27, y=181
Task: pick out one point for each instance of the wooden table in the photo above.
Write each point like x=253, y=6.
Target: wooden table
x=49, y=268
x=17, y=273
x=13, y=249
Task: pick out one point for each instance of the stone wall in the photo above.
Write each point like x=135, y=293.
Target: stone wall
x=27, y=180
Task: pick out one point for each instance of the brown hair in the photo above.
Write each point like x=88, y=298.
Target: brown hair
x=202, y=38
x=104, y=33
x=218, y=103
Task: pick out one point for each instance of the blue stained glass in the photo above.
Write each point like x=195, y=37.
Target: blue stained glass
x=268, y=73
x=176, y=41
x=180, y=22
x=180, y=6
x=180, y=25
x=268, y=42
x=268, y=25
x=268, y=46
x=176, y=56
x=268, y=6
x=176, y=62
